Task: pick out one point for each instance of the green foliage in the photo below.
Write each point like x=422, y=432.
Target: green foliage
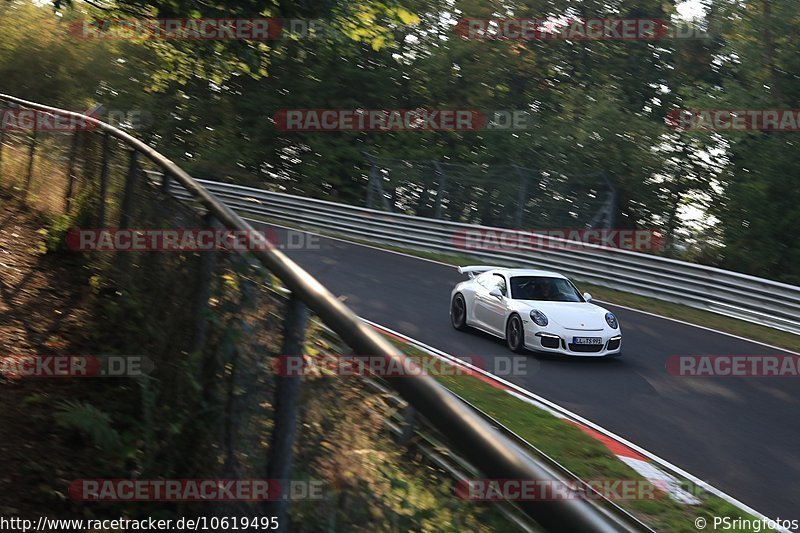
x=597, y=105
x=757, y=187
x=89, y=421
x=54, y=235
x=81, y=217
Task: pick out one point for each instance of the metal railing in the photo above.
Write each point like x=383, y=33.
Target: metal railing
x=491, y=194
x=757, y=300
x=494, y=455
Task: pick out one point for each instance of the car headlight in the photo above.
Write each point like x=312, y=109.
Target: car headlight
x=611, y=320
x=538, y=318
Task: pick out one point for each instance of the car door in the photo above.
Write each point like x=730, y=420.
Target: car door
x=490, y=311
x=480, y=297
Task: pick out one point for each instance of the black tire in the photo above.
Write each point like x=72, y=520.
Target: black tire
x=458, y=312
x=515, y=334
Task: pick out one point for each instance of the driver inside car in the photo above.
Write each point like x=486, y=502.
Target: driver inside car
x=544, y=291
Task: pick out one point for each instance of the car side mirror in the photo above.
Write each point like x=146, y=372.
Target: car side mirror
x=496, y=293
x=587, y=296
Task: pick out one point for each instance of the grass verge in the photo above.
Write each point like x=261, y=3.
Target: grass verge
x=580, y=453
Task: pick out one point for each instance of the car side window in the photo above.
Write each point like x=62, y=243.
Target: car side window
x=500, y=282
x=483, y=280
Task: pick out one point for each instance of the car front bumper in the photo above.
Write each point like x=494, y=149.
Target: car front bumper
x=561, y=343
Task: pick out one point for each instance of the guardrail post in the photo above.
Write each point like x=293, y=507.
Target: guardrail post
x=208, y=261
x=128, y=193
x=374, y=185
x=87, y=158
x=31, y=156
x=373, y=175
x=437, y=211
x=604, y=217
x=105, y=156
x=73, y=154
x=237, y=380
x=279, y=466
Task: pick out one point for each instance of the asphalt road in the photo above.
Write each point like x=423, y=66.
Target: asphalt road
x=739, y=434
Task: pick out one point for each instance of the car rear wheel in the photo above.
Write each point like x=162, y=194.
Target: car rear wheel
x=458, y=313
x=515, y=334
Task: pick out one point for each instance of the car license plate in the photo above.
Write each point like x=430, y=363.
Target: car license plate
x=587, y=340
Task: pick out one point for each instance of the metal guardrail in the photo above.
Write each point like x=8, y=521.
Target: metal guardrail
x=493, y=454
x=757, y=300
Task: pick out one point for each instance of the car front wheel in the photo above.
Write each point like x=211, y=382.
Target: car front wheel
x=515, y=334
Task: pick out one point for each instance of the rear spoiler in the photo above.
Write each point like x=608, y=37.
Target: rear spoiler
x=473, y=270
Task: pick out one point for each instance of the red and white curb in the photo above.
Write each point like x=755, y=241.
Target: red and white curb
x=638, y=462
x=660, y=472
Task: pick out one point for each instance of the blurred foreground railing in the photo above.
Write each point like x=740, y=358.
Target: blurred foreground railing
x=101, y=189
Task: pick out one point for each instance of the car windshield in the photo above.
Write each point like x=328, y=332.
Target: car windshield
x=544, y=289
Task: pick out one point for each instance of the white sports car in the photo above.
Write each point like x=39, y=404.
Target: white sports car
x=534, y=309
